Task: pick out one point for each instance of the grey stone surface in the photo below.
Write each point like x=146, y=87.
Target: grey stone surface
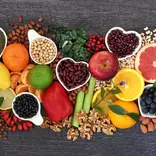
x=97, y=16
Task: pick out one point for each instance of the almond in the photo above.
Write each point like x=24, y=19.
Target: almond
x=22, y=36
x=141, y=118
x=32, y=23
x=13, y=33
x=30, y=26
x=10, y=35
x=145, y=121
x=155, y=126
x=20, y=19
x=14, y=38
x=25, y=26
x=17, y=34
x=143, y=129
x=40, y=19
x=15, y=26
x=21, y=27
x=18, y=31
x=150, y=126
x=154, y=120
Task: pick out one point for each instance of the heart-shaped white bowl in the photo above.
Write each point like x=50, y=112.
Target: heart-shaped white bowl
x=37, y=119
x=125, y=32
x=148, y=115
x=57, y=74
x=6, y=39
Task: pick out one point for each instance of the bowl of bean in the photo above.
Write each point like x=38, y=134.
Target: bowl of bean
x=42, y=49
x=27, y=107
x=3, y=41
x=123, y=43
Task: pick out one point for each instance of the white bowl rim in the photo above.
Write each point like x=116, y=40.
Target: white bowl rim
x=39, y=107
x=6, y=40
x=139, y=99
x=125, y=32
x=40, y=36
x=57, y=74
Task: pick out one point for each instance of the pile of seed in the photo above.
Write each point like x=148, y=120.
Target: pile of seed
x=100, y=84
x=148, y=36
x=20, y=30
x=42, y=50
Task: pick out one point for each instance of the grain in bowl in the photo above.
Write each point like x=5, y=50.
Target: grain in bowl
x=43, y=51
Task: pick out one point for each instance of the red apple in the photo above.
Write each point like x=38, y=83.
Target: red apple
x=103, y=65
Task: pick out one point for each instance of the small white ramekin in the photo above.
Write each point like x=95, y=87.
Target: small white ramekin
x=125, y=32
x=6, y=39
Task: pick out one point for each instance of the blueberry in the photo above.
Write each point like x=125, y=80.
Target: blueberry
x=150, y=95
x=153, y=105
x=154, y=93
x=151, y=89
x=143, y=97
x=148, y=100
x=154, y=99
x=143, y=103
x=146, y=91
x=152, y=111
x=145, y=110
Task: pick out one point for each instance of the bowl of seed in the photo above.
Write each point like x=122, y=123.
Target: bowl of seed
x=42, y=49
x=3, y=41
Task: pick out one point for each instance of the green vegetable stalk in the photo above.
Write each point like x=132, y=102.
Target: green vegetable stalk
x=78, y=107
x=89, y=95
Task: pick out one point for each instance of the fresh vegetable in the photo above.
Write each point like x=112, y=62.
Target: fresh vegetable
x=72, y=43
x=89, y=95
x=78, y=107
x=56, y=102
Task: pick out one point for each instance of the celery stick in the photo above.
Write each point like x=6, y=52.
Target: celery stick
x=78, y=107
x=89, y=95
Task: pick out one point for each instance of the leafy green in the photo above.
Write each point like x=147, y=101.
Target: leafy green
x=99, y=109
x=1, y=100
x=134, y=116
x=102, y=92
x=117, y=109
x=95, y=102
x=116, y=91
x=109, y=102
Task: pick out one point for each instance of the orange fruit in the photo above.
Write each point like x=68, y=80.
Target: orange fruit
x=146, y=62
x=15, y=73
x=133, y=87
x=29, y=66
x=14, y=81
x=124, y=121
x=24, y=77
x=21, y=88
x=31, y=89
x=39, y=93
x=15, y=57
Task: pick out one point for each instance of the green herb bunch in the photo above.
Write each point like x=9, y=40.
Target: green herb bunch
x=72, y=43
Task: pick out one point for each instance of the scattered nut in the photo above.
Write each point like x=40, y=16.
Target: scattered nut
x=143, y=129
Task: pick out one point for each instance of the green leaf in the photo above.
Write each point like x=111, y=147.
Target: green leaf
x=102, y=92
x=134, y=116
x=109, y=102
x=116, y=91
x=95, y=102
x=99, y=109
x=117, y=109
x=113, y=83
x=154, y=84
x=1, y=100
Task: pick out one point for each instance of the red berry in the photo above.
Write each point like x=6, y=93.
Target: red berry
x=93, y=36
x=94, y=40
x=98, y=36
x=92, y=44
x=89, y=45
x=25, y=127
x=13, y=128
x=100, y=46
x=29, y=124
x=98, y=42
x=20, y=128
x=6, y=116
x=101, y=38
x=12, y=122
x=4, y=112
x=8, y=121
x=15, y=118
x=96, y=49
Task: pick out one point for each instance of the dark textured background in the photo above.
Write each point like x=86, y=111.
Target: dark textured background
x=96, y=16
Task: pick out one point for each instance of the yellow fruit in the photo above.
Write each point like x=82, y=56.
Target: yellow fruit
x=134, y=84
x=4, y=77
x=124, y=121
x=8, y=95
x=103, y=104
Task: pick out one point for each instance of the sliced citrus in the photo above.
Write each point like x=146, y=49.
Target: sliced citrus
x=31, y=89
x=14, y=81
x=21, y=88
x=132, y=84
x=29, y=67
x=39, y=93
x=8, y=95
x=15, y=73
x=146, y=62
x=24, y=77
x=103, y=104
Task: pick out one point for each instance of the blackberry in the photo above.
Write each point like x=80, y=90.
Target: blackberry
x=154, y=99
x=148, y=100
x=152, y=111
x=145, y=110
x=143, y=103
x=150, y=95
x=146, y=91
x=151, y=89
x=153, y=105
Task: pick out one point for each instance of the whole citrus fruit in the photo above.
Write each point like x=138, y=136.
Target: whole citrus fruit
x=15, y=57
x=40, y=77
x=124, y=121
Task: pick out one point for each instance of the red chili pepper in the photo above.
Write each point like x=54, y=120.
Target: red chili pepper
x=56, y=102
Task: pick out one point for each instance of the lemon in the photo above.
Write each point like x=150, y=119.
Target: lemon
x=133, y=84
x=103, y=104
x=8, y=96
x=4, y=77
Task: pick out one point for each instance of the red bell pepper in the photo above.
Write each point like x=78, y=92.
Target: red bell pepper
x=56, y=102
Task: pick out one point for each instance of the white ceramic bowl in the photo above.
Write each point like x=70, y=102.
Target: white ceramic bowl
x=33, y=35
x=57, y=74
x=6, y=39
x=37, y=119
x=139, y=101
x=125, y=32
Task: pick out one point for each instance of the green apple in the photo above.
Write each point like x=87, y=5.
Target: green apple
x=41, y=76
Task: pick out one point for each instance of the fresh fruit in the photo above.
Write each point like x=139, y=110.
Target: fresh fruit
x=103, y=65
x=148, y=101
x=8, y=95
x=15, y=57
x=103, y=104
x=130, y=82
x=124, y=121
x=146, y=62
x=21, y=88
x=40, y=77
x=4, y=77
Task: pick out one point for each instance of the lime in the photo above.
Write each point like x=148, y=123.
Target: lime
x=7, y=96
x=41, y=76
